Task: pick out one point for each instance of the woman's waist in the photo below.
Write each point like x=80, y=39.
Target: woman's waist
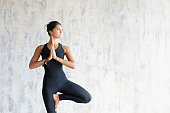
x=53, y=82
x=54, y=70
x=54, y=78
x=54, y=73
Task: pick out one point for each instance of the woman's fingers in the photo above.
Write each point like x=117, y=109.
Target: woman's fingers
x=50, y=47
x=52, y=52
x=52, y=39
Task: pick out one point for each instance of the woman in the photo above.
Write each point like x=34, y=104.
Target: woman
x=55, y=79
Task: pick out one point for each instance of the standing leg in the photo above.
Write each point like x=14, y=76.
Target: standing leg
x=48, y=100
x=74, y=92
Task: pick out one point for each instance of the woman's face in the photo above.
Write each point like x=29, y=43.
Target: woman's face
x=57, y=32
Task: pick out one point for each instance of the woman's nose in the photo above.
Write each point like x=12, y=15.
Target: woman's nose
x=61, y=31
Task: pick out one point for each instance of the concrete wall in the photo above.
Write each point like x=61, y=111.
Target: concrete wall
x=121, y=47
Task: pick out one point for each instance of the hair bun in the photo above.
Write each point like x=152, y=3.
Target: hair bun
x=51, y=25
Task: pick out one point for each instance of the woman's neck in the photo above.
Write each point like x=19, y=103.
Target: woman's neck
x=53, y=41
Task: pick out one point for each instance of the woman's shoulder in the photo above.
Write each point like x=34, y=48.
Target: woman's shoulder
x=65, y=47
x=40, y=47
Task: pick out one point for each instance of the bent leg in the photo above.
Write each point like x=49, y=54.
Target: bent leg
x=74, y=92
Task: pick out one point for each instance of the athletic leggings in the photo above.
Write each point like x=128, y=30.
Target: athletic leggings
x=55, y=81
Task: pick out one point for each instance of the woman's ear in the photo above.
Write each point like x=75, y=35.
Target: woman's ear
x=50, y=32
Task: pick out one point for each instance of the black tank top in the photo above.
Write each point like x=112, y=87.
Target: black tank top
x=46, y=52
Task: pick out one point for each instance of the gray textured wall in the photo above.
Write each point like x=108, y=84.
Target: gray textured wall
x=122, y=51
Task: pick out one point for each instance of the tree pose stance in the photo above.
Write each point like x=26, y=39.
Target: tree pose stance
x=54, y=79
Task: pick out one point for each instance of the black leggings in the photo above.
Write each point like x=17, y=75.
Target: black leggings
x=55, y=81
x=69, y=90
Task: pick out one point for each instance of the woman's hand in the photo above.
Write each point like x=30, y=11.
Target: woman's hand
x=53, y=49
x=51, y=54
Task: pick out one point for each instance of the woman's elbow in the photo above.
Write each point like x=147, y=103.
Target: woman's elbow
x=73, y=66
x=31, y=66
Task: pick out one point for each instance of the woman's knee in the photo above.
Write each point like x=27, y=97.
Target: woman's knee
x=87, y=98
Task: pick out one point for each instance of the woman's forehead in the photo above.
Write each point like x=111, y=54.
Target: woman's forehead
x=58, y=26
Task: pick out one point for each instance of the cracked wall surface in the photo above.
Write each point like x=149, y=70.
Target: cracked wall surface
x=121, y=49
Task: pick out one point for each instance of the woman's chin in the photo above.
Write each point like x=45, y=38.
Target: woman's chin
x=58, y=37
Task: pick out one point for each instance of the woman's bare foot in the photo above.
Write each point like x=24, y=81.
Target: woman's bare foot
x=56, y=99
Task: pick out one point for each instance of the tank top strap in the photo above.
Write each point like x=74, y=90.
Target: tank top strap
x=59, y=47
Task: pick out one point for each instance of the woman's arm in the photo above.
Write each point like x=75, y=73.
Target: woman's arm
x=34, y=63
x=70, y=63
